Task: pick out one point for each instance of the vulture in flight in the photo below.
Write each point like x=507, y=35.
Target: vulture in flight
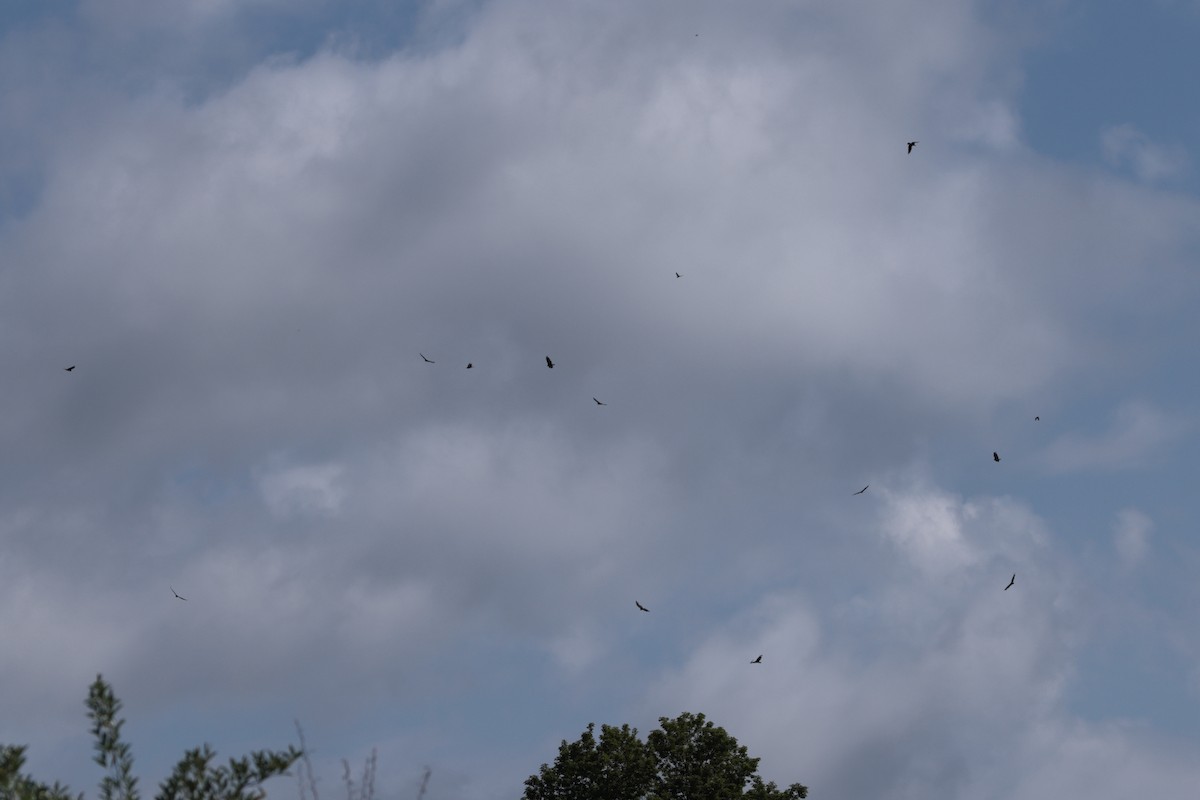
x=549, y=363
x=470, y=365
x=860, y=491
x=427, y=361
x=1010, y=583
x=599, y=403
x=677, y=275
x=181, y=597
x=757, y=660
x=995, y=456
x=911, y=145
x=1037, y=419
x=68, y=369
x=641, y=607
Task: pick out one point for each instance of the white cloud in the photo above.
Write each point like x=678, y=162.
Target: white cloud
x=1138, y=432
x=1131, y=535
x=302, y=489
x=252, y=269
x=1125, y=145
x=971, y=706
x=929, y=530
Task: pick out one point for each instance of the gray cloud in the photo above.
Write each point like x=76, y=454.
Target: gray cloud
x=245, y=273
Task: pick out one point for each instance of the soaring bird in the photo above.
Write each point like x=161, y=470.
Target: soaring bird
x=1010, y=583
x=860, y=491
x=427, y=361
x=68, y=369
x=470, y=365
x=995, y=456
x=641, y=607
x=911, y=145
x=677, y=275
x=757, y=660
x=549, y=363
x=1037, y=419
x=599, y=403
x=177, y=594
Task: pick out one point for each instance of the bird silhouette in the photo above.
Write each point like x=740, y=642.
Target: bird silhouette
x=599, y=403
x=641, y=607
x=677, y=275
x=427, y=361
x=995, y=456
x=68, y=369
x=911, y=145
x=757, y=660
x=860, y=491
x=549, y=363
x=470, y=365
x=1037, y=419
x=177, y=594
x=1010, y=583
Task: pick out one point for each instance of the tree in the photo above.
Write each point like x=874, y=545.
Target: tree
x=687, y=758
x=194, y=777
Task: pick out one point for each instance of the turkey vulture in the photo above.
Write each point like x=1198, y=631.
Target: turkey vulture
x=549, y=363
x=995, y=456
x=599, y=403
x=757, y=660
x=1010, y=583
x=68, y=369
x=1037, y=419
x=177, y=594
x=427, y=361
x=641, y=607
x=470, y=365
x=911, y=145
x=860, y=491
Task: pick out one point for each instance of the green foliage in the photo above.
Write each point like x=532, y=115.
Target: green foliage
x=688, y=758
x=111, y=753
x=15, y=786
x=619, y=766
x=194, y=777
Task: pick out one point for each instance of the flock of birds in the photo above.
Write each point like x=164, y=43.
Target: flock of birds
x=550, y=365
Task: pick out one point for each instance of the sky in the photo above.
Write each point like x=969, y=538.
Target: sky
x=243, y=220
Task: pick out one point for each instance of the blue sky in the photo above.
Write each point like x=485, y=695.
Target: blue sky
x=243, y=219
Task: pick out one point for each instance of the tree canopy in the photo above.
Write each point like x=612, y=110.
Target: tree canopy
x=687, y=758
x=194, y=777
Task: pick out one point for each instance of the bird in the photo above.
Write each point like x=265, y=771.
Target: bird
x=757, y=660
x=1037, y=419
x=427, y=361
x=677, y=275
x=995, y=456
x=177, y=594
x=68, y=369
x=860, y=491
x=641, y=607
x=911, y=145
x=470, y=365
x=599, y=403
x=549, y=363
x=1010, y=583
